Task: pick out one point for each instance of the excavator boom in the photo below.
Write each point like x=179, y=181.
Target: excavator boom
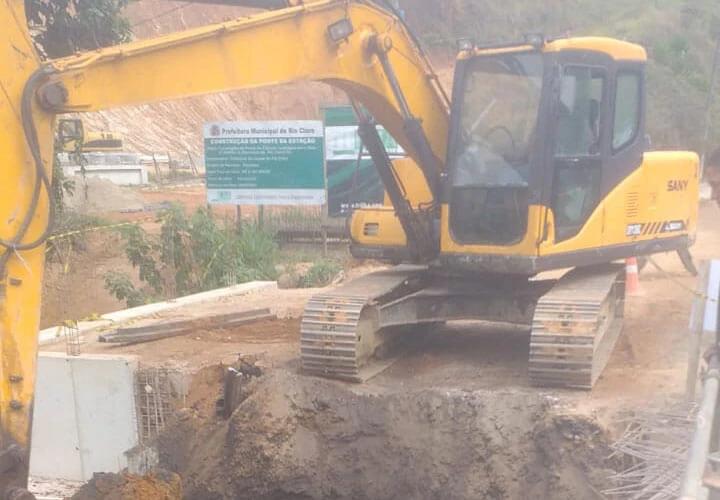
x=356, y=46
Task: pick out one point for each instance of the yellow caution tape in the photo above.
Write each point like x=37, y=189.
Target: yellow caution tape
x=102, y=228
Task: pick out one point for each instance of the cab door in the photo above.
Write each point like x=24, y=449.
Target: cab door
x=579, y=148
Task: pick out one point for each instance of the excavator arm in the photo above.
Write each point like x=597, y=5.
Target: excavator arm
x=356, y=46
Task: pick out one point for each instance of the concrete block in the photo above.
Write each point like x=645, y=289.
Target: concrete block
x=85, y=417
x=146, y=310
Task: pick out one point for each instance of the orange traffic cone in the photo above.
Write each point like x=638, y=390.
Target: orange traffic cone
x=632, y=278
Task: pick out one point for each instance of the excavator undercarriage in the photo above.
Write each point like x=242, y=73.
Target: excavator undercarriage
x=573, y=321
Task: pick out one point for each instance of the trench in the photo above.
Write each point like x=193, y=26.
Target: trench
x=295, y=437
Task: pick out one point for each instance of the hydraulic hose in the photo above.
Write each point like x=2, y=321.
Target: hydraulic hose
x=42, y=181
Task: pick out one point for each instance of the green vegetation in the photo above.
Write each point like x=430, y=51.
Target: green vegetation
x=62, y=27
x=120, y=285
x=679, y=35
x=322, y=273
x=190, y=255
x=69, y=234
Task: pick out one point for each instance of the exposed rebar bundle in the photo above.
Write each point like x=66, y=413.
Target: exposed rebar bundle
x=654, y=450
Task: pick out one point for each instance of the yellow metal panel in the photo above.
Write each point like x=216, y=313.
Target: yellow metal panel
x=388, y=232
x=664, y=189
x=412, y=181
x=528, y=246
x=20, y=284
x=617, y=49
x=668, y=186
x=493, y=51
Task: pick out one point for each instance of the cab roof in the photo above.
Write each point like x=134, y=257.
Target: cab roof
x=617, y=49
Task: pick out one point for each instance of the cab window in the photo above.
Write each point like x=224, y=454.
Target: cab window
x=627, y=109
x=581, y=92
x=578, y=164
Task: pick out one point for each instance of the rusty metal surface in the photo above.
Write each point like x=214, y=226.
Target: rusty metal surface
x=575, y=327
x=338, y=333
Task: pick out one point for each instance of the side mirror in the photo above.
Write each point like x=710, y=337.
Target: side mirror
x=70, y=134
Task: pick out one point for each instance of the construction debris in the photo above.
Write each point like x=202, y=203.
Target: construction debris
x=655, y=444
x=235, y=384
x=157, y=331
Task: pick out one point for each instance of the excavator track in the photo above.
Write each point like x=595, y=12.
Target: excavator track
x=575, y=327
x=339, y=332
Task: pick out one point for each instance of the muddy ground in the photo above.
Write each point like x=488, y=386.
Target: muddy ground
x=299, y=437
x=452, y=417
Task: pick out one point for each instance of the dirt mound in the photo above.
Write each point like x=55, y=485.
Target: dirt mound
x=161, y=485
x=298, y=437
x=93, y=195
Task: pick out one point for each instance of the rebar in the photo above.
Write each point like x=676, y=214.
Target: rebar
x=71, y=332
x=154, y=401
x=655, y=445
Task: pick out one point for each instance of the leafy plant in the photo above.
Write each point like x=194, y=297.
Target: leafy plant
x=61, y=185
x=62, y=27
x=198, y=253
x=120, y=285
x=322, y=273
x=140, y=249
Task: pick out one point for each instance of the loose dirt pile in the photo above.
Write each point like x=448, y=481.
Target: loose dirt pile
x=161, y=485
x=93, y=195
x=298, y=437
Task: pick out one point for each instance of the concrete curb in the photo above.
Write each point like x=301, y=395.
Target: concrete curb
x=51, y=335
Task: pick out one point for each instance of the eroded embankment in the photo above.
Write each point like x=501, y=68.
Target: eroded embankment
x=300, y=437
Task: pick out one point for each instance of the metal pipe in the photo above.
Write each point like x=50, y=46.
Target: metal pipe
x=709, y=107
x=693, y=488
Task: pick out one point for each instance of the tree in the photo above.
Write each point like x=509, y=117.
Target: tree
x=62, y=27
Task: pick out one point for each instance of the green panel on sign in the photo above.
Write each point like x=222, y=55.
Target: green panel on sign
x=339, y=116
x=264, y=163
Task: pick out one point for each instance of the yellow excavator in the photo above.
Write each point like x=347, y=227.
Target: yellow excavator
x=537, y=163
x=92, y=141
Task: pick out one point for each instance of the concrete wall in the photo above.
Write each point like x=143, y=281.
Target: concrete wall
x=122, y=175
x=84, y=417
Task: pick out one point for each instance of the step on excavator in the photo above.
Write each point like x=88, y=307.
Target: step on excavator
x=538, y=162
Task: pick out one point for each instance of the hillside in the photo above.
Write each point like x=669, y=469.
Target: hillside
x=679, y=35
x=175, y=126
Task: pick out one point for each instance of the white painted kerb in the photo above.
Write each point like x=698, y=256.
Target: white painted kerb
x=50, y=335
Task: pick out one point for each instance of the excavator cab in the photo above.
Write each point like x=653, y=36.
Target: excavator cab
x=531, y=127
x=546, y=165
x=546, y=162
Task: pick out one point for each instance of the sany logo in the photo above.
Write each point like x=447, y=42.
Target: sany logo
x=673, y=185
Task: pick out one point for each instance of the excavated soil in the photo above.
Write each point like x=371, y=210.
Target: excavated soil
x=161, y=485
x=298, y=437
